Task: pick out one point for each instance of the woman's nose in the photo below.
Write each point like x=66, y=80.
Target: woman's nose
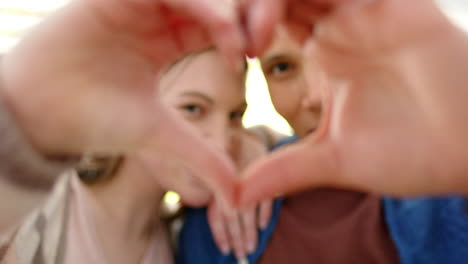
x=218, y=135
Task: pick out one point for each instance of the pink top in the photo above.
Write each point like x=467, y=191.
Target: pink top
x=83, y=244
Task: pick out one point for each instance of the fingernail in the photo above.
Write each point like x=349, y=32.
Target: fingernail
x=225, y=249
x=251, y=247
x=263, y=224
x=243, y=261
x=240, y=254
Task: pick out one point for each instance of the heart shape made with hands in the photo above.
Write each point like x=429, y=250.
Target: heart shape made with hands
x=380, y=127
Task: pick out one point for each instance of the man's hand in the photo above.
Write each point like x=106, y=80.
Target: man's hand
x=393, y=77
x=232, y=229
x=237, y=230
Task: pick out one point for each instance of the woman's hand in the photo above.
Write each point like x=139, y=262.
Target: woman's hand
x=394, y=77
x=84, y=80
x=91, y=68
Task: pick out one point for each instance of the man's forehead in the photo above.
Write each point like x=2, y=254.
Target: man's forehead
x=282, y=45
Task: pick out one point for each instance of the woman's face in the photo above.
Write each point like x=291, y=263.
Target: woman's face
x=285, y=67
x=203, y=91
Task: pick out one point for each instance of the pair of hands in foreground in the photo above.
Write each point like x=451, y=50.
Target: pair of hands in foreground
x=393, y=86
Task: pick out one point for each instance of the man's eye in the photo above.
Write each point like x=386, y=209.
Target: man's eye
x=280, y=68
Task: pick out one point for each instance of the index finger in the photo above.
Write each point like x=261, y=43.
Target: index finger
x=261, y=18
x=221, y=19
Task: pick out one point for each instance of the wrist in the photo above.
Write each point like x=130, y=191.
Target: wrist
x=25, y=123
x=13, y=103
x=20, y=163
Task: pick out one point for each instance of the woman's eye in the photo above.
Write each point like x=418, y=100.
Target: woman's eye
x=238, y=115
x=193, y=110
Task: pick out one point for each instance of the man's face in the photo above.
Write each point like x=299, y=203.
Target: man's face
x=285, y=67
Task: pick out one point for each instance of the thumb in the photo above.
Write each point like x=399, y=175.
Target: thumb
x=293, y=169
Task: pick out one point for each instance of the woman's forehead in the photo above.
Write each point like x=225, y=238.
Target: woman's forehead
x=204, y=73
x=193, y=68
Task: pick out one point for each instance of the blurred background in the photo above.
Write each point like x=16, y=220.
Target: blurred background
x=17, y=16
